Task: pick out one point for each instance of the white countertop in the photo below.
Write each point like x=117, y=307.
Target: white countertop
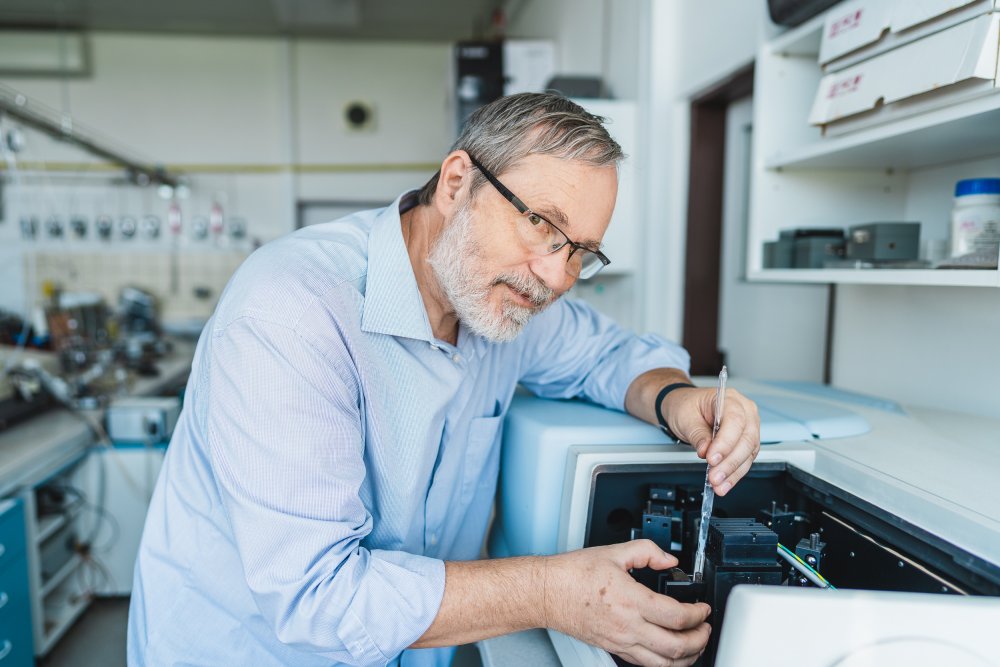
x=33, y=449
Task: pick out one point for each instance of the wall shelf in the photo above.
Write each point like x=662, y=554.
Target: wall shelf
x=57, y=625
x=961, y=132
x=50, y=524
x=903, y=169
x=52, y=583
x=940, y=277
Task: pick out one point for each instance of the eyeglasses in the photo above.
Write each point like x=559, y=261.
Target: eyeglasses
x=544, y=238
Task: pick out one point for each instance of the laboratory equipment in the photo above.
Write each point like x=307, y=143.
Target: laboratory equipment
x=78, y=224
x=804, y=248
x=127, y=227
x=54, y=227
x=575, y=475
x=105, y=227
x=146, y=419
x=151, y=226
x=22, y=393
x=884, y=241
x=855, y=628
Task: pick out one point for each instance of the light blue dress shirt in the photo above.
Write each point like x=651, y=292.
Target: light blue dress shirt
x=331, y=454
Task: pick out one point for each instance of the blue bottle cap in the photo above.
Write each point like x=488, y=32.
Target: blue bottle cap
x=978, y=186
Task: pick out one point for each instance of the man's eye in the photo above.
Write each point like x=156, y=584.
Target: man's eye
x=534, y=219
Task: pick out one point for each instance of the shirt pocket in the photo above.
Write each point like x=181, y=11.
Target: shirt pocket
x=482, y=455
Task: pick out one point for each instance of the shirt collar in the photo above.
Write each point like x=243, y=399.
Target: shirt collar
x=393, y=304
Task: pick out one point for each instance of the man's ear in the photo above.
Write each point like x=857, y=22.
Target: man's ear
x=455, y=175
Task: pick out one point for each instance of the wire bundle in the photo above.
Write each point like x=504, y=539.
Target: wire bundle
x=800, y=565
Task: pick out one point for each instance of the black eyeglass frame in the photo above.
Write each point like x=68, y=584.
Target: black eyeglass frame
x=524, y=210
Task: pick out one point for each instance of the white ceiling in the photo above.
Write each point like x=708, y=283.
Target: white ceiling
x=447, y=20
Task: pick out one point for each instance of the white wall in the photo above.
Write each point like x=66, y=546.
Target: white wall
x=691, y=45
x=930, y=346
x=767, y=331
x=407, y=84
x=255, y=122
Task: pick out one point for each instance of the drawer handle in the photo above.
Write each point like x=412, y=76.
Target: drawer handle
x=6, y=649
x=3, y=550
x=4, y=599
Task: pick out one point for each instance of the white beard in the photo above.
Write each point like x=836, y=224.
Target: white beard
x=454, y=258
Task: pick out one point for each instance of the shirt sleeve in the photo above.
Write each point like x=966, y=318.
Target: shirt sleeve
x=573, y=351
x=285, y=432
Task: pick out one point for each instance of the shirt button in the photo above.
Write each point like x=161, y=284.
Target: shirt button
x=456, y=358
x=434, y=538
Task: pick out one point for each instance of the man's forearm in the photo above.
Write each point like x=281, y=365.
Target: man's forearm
x=488, y=598
x=640, y=399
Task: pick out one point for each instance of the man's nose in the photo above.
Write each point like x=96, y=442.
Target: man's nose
x=551, y=270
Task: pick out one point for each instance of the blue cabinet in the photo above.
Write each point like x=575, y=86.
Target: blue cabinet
x=16, y=640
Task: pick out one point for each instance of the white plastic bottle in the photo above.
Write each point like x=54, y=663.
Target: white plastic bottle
x=975, y=218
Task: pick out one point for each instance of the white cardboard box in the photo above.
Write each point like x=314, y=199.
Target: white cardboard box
x=942, y=69
x=862, y=29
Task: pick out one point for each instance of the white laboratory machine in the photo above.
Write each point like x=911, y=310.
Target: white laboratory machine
x=896, y=508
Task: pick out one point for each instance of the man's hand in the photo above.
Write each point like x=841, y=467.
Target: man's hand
x=690, y=413
x=590, y=595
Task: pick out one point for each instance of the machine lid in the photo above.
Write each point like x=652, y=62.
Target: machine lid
x=783, y=416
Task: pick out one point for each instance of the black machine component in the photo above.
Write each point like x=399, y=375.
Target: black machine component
x=790, y=525
x=791, y=13
x=668, y=519
x=479, y=76
x=22, y=396
x=661, y=519
x=662, y=522
x=850, y=542
x=679, y=585
x=811, y=551
x=739, y=551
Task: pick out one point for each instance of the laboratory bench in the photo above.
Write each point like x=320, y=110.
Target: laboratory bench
x=33, y=454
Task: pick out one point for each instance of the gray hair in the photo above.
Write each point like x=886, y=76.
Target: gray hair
x=504, y=132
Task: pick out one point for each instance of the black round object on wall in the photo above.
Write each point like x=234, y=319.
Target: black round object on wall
x=359, y=115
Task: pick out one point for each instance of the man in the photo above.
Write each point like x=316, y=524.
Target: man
x=328, y=487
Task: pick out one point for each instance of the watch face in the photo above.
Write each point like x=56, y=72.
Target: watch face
x=127, y=227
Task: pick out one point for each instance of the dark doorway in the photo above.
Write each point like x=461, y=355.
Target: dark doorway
x=704, y=219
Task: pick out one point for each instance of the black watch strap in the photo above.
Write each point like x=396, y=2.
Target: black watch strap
x=659, y=404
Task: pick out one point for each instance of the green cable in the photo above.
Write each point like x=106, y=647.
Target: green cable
x=801, y=562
